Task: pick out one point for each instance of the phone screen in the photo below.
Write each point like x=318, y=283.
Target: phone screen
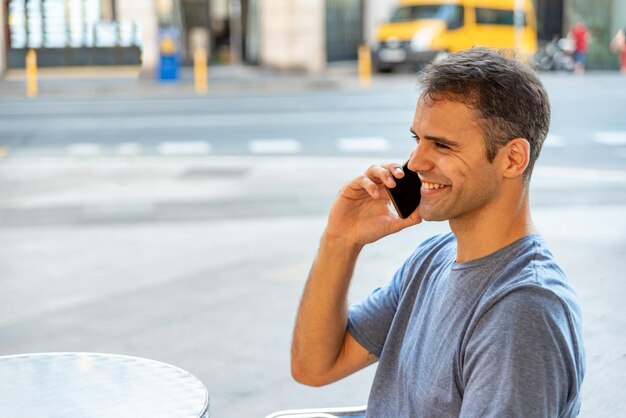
x=406, y=195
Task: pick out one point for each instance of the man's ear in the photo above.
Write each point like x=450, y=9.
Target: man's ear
x=515, y=157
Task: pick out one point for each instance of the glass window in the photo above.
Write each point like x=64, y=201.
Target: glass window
x=486, y=16
x=66, y=23
x=17, y=24
x=450, y=13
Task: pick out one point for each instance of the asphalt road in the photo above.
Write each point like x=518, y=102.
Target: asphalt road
x=181, y=229
x=587, y=122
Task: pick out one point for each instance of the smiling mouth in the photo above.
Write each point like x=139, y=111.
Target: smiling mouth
x=432, y=186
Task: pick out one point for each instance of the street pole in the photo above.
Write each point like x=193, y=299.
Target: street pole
x=518, y=20
x=235, y=31
x=32, y=89
x=365, y=66
x=200, y=70
x=3, y=39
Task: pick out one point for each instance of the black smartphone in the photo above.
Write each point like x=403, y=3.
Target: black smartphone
x=406, y=195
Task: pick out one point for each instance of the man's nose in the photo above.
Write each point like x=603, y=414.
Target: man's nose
x=420, y=159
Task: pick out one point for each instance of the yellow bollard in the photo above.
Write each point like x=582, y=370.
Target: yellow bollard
x=200, y=71
x=31, y=74
x=365, y=66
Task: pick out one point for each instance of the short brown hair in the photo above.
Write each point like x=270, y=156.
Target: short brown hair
x=509, y=97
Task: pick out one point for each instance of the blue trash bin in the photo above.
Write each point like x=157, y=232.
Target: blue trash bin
x=169, y=54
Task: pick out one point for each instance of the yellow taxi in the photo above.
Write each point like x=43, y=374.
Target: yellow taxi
x=420, y=31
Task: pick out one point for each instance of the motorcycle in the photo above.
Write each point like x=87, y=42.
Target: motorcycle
x=556, y=55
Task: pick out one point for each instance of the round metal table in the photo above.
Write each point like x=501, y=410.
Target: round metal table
x=92, y=385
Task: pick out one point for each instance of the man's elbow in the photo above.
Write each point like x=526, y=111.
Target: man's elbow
x=303, y=374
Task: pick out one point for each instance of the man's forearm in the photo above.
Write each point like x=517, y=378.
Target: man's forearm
x=322, y=317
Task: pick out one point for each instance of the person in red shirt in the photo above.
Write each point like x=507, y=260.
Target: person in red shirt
x=579, y=34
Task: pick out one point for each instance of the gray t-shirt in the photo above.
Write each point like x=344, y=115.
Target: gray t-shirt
x=495, y=337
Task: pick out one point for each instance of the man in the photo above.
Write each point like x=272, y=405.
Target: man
x=480, y=322
x=618, y=46
x=580, y=37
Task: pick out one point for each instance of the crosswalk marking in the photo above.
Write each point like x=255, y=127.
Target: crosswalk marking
x=274, y=146
x=579, y=175
x=554, y=141
x=610, y=137
x=292, y=146
x=84, y=149
x=182, y=148
x=369, y=144
x=129, y=148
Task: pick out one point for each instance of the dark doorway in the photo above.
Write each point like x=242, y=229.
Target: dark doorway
x=549, y=19
x=194, y=14
x=344, y=29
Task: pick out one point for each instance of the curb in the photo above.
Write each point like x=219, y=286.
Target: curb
x=128, y=80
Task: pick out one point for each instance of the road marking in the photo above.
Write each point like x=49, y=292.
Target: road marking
x=615, y=138
x=182, y=148
x=274, y=146
x=579, y=175
x=129, y=148
x=554, y=141
x=84, y=149
x=115, y=211
x=370, y=144
x=139, y=123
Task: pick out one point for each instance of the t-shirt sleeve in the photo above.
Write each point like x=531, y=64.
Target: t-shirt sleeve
x=520, y=358
x=369, y=320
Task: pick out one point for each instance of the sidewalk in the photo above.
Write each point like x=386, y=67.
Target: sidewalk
x=128, y=80
x=222, y=79
x=200, y=263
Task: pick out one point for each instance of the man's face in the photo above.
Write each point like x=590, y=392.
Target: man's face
x=450, y=158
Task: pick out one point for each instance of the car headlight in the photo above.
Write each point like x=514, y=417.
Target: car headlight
x=422, y=39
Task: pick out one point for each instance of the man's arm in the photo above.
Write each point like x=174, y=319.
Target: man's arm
x=322, y=350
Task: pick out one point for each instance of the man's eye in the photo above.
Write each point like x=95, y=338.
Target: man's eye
x=415, y=138
x=442, y=146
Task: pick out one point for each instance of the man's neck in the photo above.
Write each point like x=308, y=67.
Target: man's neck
x=488, y=231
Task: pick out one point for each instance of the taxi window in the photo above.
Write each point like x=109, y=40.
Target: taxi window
x=485, y=16
x=450, y=13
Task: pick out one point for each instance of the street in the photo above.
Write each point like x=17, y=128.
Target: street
x=586, y=121
x=182, y=228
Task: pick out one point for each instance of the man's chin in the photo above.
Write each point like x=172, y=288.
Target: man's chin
x=432, y=216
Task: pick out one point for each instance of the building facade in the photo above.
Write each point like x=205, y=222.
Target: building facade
x=302, y=35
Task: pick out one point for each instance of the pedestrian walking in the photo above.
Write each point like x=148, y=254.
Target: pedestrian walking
x=580, y=36
x=480, y=321
x=618, y=46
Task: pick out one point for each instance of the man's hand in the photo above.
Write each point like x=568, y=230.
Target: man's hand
x=362, y=214
x=322, y=350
